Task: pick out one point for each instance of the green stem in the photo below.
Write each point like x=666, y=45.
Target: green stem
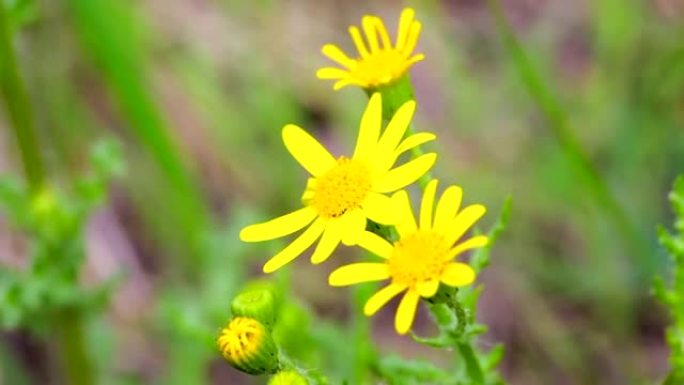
x=313, y=375
x=18, y=107
x=472, y=364
x=76, y=363
x=464, y=344
x=562, y=132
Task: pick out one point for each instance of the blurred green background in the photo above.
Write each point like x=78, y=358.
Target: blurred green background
x=196, y=91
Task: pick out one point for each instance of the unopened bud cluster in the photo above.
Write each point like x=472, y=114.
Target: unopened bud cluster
x=246, y=342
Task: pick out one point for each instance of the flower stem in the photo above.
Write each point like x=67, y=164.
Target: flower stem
x=18, y=107
x=471, y=362
x=464, y=345
x=72, y=348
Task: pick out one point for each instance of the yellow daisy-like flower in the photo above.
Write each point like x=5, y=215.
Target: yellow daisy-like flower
x=423, y=255
x=379, y=62
x=342, y=193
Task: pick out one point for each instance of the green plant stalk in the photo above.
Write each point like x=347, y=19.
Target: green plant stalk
x=464, y=346
x=562, y=133
x=72, y=348
x=18, y=106
x=366, y=355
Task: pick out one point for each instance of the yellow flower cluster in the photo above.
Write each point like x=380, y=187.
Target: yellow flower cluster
x=344, y=193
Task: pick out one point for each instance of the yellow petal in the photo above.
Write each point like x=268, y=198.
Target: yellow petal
x=307, y=150
x=447, y=207
x=428, y=288
x=327, y=244
x=406, y=312
x=463, y=221
x=406, y=222
x=412, y=39
x=382, y=32
x=369, y=130
x=335, y=54
x=397, y=127
x=383, y=162
x=427, y=205
x=413, y=60
x=358, y=273
x=380, y=208
x=352, y=225
x=332, y=73
x=375, y=244
x=405, y=22
x=343, y=83
x=415, y=140
x=380, y=298
x=472, y=243
x=358, y=42
x=278, y=227
x=297, y=247
x=368, y=24
x=405, y=174
x=458, y=274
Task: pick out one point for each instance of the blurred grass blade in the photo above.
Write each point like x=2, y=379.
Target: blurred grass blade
x=17, y=105
x=563, y=134
x=111, y=35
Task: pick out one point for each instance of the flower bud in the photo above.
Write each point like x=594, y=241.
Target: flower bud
x=258, y=304
x=288, y=377
x=248, y=346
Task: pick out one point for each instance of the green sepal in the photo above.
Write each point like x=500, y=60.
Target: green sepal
x=259, y=304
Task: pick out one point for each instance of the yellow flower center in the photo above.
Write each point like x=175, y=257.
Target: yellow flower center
x=417, y=258
x=240, y=339
x=339, y=190
x=381, y=67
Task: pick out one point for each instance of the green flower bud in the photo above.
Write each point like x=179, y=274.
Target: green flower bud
x=258, y=304
x=248, y=346
x=288, y=377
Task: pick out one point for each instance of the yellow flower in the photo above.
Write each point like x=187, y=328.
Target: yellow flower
x=423, y=255
x=248, y=346
x=342, y=193
x=379, y=62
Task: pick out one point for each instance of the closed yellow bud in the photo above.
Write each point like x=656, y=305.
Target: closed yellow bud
x=248, y=346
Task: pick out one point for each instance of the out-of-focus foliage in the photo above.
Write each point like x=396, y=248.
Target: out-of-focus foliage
x=53, y=221
x=197, y=92
x=673, y=296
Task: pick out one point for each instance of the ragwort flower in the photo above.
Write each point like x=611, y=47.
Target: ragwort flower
x=379, y=62
x=423, y=255
x=342, y=193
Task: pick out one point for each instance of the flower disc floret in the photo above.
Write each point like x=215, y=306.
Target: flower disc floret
x=341, y=189
x=407, y=270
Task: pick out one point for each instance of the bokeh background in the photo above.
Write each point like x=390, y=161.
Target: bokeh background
x=196, y=92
